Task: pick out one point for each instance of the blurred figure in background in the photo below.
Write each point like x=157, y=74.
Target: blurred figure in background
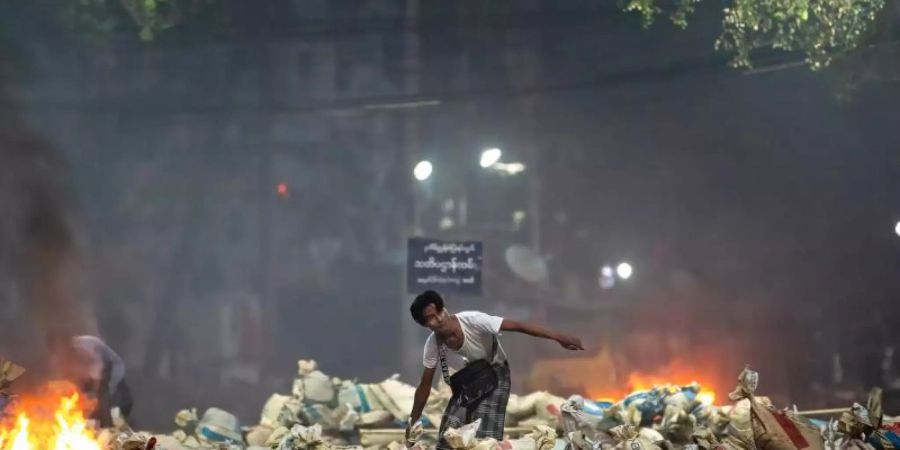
x=97, y=370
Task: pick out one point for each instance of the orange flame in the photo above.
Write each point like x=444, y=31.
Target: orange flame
x=51, y=420
x=676, y=373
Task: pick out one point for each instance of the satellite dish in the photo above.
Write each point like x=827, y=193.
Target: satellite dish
x=526, y=264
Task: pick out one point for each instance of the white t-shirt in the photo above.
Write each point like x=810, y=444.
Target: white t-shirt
x=478, y=330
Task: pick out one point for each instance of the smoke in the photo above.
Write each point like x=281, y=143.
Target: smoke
x=40, y=277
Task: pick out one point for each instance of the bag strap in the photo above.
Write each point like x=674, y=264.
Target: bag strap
x=441, y=353
x=443, y=357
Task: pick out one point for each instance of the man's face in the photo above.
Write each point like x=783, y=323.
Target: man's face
x=435, y=320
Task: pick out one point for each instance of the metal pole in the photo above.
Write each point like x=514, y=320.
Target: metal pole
x=533, y=196
x=409, y=344
x=822, y=412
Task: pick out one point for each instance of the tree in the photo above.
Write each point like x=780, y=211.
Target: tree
x=824, y=30
x=151, y=16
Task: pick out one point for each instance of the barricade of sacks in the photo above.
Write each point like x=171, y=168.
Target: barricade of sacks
x=675, y=421
x=343, y=406
x=325, y=413
x=339, y=406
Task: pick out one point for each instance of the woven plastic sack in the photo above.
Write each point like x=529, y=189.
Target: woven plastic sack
x=272, y=410
x=462, y=438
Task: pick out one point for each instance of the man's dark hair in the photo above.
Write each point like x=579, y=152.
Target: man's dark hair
x=417, y=309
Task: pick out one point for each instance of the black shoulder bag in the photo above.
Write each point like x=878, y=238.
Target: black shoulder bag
x=474, y=382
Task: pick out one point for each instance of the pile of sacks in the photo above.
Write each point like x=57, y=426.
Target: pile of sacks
x=324, y=413
x=463, y=438
x=750, y=423
x=338, y=407
x=668, y=418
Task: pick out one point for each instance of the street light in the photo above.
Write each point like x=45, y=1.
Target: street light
x=606, y=271
x=512, y=168
x=624, y=270
x=897, y=228
x=422, y=170
x=490, y=157
x=606, y=278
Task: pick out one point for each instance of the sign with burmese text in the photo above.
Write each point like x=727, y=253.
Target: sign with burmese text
x=443, y=266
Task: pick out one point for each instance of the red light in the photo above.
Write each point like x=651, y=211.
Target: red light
x=282, y=189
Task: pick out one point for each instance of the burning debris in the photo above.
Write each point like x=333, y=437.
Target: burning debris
x=52, y=418
x=324, y=413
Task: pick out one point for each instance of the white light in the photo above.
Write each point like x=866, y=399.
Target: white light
x=446, y=223
x=490, y=157
x=624, y=270
x=897, y=228
x=422, y=170
x=509, y=169
x=607, y=280
x=606, y=271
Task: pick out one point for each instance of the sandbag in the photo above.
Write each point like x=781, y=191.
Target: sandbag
x=573, y=418
x=350, y=393
x=487, y=444
x=778, y=430
x=308, y=438
x=277, y=435
x=379, y=438
x=857, y=421
x=623, y=433
x=134, y=441
x=704, y=439
x=650, y=434
x=342, y=418
x=272, y=410
x=678, y=426
x=218, y=425
x=544, y=438
x=739, y=425
x=856, y=444
x=394, y=445
x=547, y=407
x=578, y=441
x=348, y=418
x=315, y=388
x=375, y=419
x=638, y=443
x=522, y=407
x=395, y=397
x=462, y=438
x=884, y=439
x=640, y=408
x=259, y=435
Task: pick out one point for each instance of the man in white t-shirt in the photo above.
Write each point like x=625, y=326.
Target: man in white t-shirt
x=472, y=338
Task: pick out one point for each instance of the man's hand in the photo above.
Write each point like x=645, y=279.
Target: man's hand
x=569, y=342
x=413, y=432
x=566, y=341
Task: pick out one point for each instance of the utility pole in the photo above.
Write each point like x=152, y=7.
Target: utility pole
x=410, y=345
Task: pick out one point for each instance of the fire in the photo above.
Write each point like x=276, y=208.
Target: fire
x=708, y=398
x=53, y=420
x=676, y=373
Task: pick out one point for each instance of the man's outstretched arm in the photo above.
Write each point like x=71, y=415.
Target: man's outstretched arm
x=568, y=342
